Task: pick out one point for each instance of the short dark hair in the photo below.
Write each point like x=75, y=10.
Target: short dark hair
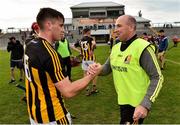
x=11, y=38
x=85, y=30
x=48, y=13
x=145, y=33
x=161, y=31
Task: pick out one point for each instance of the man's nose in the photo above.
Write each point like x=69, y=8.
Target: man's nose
x=115, y=31
x=63, y=29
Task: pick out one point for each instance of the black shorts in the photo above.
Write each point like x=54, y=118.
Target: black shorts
x=159, y=51
x=18, y=64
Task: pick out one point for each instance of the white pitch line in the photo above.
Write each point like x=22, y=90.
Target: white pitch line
x=172, y=61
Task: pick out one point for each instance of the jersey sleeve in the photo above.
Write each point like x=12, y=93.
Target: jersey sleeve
x=150, y=65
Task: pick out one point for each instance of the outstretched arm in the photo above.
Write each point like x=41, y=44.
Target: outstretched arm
x=70, y=89
x=74, y=48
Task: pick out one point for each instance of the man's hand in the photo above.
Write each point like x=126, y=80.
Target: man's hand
x=94, y=69
x=140, y=112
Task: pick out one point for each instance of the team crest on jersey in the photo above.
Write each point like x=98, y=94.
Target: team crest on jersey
x=128, y=59
x=84, y=45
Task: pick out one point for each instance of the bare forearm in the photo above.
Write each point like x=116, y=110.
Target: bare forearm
x=80, y=84
x=69, y=89
x=74, y=48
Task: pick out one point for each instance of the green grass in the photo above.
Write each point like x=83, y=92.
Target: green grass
x=12, y=109
x=100, y=108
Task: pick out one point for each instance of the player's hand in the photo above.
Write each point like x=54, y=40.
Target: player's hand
x=140, y=112
x=94, y=69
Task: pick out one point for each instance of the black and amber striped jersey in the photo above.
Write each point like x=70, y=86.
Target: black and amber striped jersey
x=87, y=48
x=30, y=37
x=43, y=68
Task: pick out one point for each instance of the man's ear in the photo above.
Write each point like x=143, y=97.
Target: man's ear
x=48, y=25
x=131, y=27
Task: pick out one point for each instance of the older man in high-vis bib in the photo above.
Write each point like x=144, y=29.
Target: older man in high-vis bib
x=136, y=73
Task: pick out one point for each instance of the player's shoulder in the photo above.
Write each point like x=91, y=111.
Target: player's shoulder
x=39, y=41
x=35, y=44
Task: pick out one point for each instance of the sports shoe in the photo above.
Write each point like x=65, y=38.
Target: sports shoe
x=21, y=87
x=20, y=80
x=12, y=81
x=24, y=99
x=88, y=92
x=73, y=117
x=94, y=91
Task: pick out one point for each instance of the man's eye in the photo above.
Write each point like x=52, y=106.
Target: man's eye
x=61, y=25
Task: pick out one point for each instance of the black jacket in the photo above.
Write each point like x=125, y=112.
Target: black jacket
x=16, y=49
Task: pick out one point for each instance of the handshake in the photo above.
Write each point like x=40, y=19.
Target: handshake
x=94, y=69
